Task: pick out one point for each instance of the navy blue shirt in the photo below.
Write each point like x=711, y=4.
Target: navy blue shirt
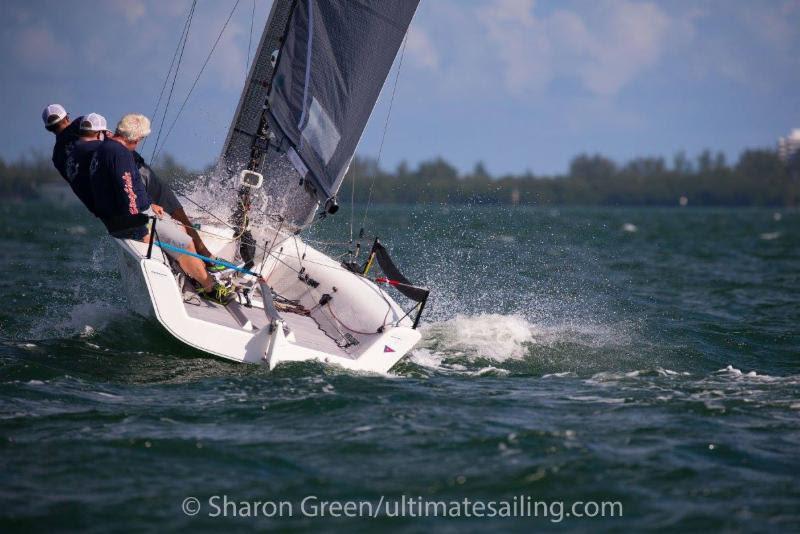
x=77, y=171
x=117, y=188
x=64, y=143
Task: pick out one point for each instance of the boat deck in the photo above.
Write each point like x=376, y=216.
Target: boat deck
x=234, y=315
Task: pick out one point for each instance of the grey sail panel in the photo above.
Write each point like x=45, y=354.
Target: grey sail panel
x=335, y=58
x=245, y=124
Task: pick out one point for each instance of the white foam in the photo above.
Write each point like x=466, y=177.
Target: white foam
x=107, y=395
x=565, y=374
x=450, y=346
x=596, y=399
x=77, y=230
x=770, y=236
x=88, y=331
x=492, y=370
x=733, y=371
x=425, y=358
x=87, y=317
x=629, y=227
x=494, y=336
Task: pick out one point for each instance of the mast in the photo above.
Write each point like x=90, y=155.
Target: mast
x=249, y=118
x=247, y=142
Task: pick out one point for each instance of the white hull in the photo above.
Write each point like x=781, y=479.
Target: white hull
x=356, y=312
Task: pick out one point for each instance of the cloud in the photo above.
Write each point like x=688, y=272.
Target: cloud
x=519, y=42
x=753, y=45
x=133, y=10
x=420, y=49
x=631, y=39
x=776, y=27
x=37, y=49
x=605, y=47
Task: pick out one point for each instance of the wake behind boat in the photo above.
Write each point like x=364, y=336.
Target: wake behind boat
x=317, y=73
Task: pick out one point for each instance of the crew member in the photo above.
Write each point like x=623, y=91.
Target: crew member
x=92, y=129
x=119, y=197
x=56, y=120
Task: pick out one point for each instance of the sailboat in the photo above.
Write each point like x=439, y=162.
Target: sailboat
x=316, y=75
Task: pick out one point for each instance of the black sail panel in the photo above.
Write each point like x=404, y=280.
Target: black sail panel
x=333, y=63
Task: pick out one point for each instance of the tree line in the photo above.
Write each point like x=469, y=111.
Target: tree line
x=758, y=178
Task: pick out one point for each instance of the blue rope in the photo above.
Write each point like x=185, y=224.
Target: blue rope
x=167, y=246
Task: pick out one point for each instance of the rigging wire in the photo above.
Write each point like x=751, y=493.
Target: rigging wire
x=250, y=42
x=352, y=204
x=154, y=154
x=172, y=64
x=383, y=137
x=197, y=78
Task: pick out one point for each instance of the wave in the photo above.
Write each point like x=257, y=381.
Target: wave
x=497, y=343
x=82, y=319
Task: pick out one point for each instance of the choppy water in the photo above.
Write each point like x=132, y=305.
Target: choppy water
x=649, y=357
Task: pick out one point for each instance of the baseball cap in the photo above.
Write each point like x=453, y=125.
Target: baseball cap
x=53, y=113
x=93, y=122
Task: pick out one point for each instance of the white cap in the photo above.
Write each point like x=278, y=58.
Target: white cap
x=53, y=112
x=93, y=122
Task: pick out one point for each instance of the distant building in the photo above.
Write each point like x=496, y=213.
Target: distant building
x=789, y=152
x=789, y=145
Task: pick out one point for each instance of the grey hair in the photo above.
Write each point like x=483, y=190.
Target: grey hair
x=133, y=127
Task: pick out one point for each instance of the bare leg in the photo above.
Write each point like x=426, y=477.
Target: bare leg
x=180, y=216
x=194, y=268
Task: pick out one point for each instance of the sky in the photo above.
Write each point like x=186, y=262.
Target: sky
x=521, y=85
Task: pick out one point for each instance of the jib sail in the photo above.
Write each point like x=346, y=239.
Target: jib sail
x=318, y=71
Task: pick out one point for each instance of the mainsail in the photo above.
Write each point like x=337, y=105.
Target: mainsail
x=317, y=73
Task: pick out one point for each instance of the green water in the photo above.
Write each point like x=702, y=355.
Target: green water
x=646, y=357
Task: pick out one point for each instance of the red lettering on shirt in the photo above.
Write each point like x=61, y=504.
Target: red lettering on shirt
x=128, y=180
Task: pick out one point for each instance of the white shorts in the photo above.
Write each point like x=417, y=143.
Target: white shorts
x=170, y=232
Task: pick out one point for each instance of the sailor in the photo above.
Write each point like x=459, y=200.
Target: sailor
x=92, y=130
x=120, y=198
x=56, y=120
